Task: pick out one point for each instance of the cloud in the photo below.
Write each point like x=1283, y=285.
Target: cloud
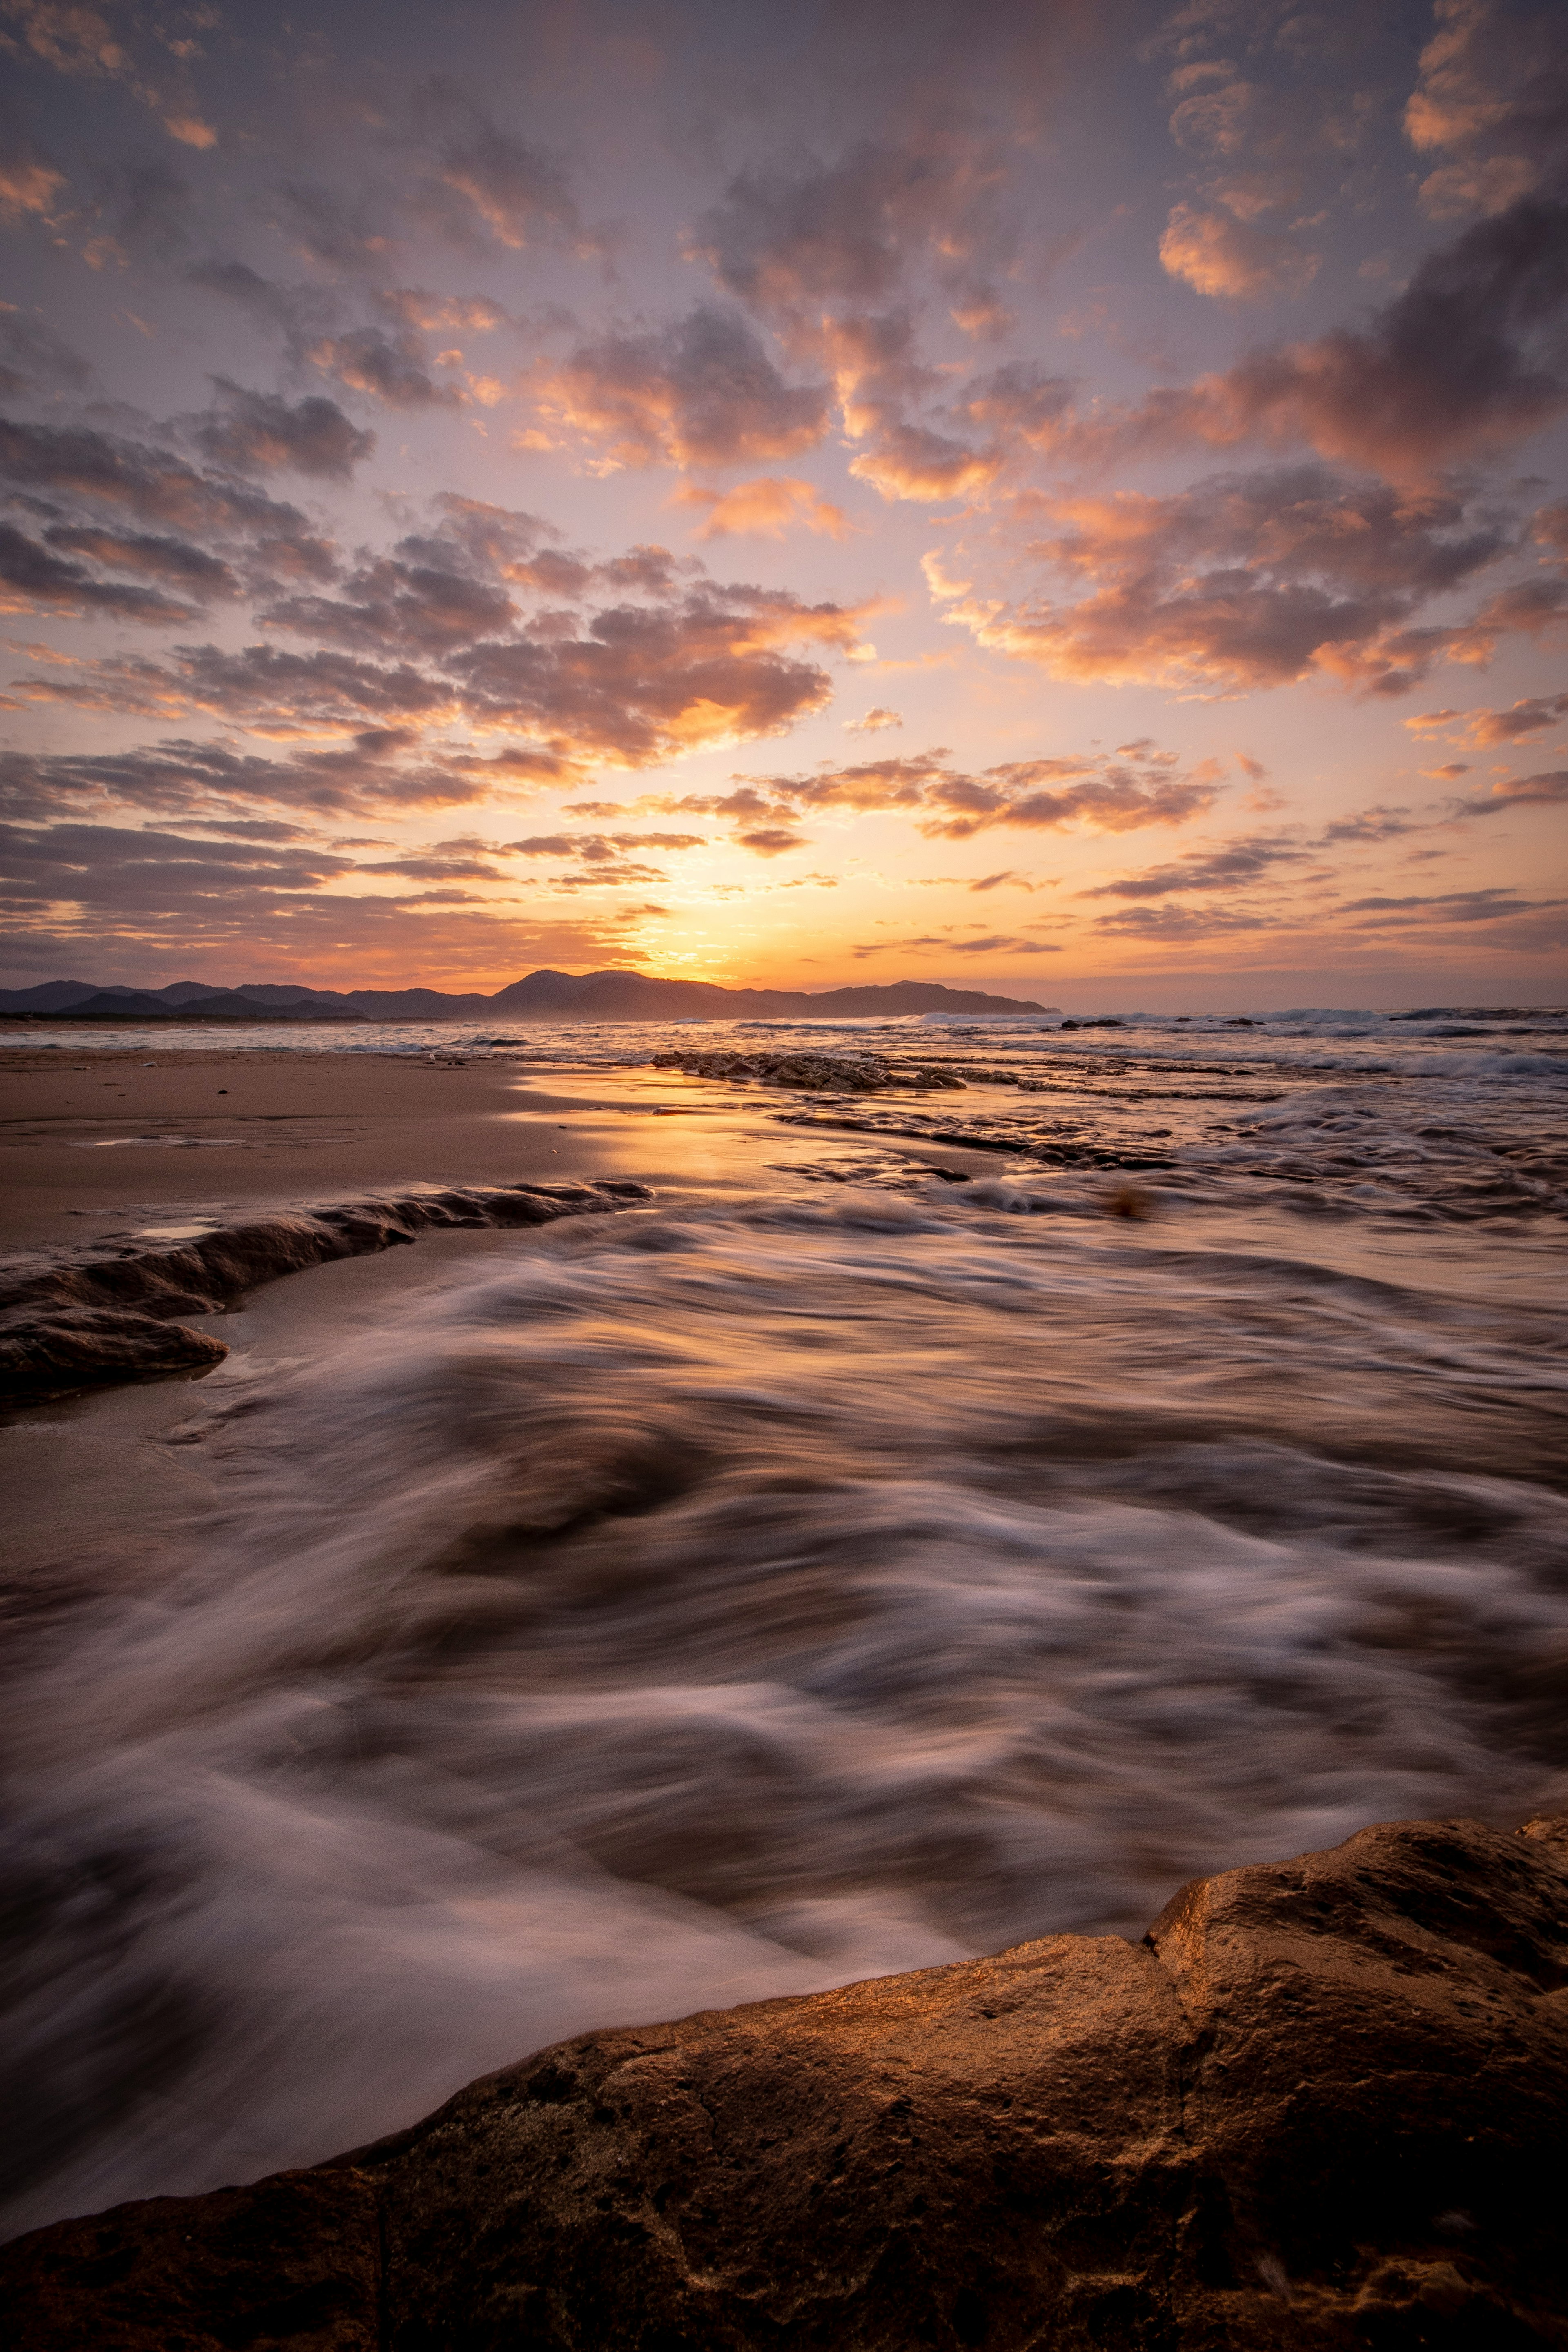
x=68, y=35
x=1490, y=92
x=878, y=378
x=1020, y=402
x=788, y=242
x=659, y=660
x=1462, y=363
x=420, y=599
x=34, y=578
x=1547, y=790
x=990, y=943
x=30, y=182
x=1377, y=824
x=766, y=508
x=152, y=873
x=390, y=368
x=597, y=845
x=260, y=432
x=481, y=184
x=1218, y=254
x=699, y=392
x=1514, y=921
x=269, y=690
x=874, y=722
x=1175, y=926
x=1550, y=527
x=146, y=902
x=1111, y=793
x=1242, y=581
x=377, y=771
x=912, y=461
x=1533, y=716
x=101, y=474
x=771, y=840
x=1235, y=864
x=643, y=683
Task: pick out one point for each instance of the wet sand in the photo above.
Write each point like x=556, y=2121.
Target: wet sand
x=96, y=1470
x=83, y=1146
x=126, y=1139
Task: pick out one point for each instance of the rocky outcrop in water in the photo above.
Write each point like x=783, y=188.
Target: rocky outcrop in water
x=69, y=1320
x=838, y=1074
x=1319, y=2106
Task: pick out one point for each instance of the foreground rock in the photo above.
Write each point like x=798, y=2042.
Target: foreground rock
x=72, y=1320
x=1321, y=2105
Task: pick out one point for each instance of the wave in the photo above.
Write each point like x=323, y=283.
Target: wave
x=737, y=1600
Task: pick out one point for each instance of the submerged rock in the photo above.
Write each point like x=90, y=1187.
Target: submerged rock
x=840, y=1074
x=69, y=1320
x=1319, y=2106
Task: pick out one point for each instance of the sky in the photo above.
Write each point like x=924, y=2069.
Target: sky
x=1066, y=499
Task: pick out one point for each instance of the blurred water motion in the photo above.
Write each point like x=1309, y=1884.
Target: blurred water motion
x=738, y=1598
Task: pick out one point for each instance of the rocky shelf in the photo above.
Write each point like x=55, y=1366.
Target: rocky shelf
x=73, y=1319
x=838, y=1073
x=1319, y=2106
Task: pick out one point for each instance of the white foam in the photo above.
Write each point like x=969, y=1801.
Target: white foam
x=720, y=1604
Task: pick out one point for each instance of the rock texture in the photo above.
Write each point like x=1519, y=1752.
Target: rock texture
x=1321, y=2105
x=838, y=1074
x=69, y=1320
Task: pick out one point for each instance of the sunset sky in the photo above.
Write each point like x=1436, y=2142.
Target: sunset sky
x=1067, y=499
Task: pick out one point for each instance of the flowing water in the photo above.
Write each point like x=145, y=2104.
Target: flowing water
x=751, y=1592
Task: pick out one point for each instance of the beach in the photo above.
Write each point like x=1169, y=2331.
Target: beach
x=956, y=1501
x=134, y=1129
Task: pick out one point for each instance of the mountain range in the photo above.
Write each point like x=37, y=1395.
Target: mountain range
x=615, y=995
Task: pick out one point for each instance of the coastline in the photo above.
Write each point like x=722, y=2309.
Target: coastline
x=631, y=1581
x=1315, y=2107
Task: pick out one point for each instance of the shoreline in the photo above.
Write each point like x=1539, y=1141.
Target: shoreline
x=134, y=1139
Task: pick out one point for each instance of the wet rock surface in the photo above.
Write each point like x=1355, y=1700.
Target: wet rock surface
x=1319, y=2106
x=74, y=1319
x=841, y=1074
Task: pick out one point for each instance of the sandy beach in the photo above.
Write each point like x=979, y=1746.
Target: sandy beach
x=87, y=1144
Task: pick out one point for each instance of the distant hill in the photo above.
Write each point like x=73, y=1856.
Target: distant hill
x=615, y=995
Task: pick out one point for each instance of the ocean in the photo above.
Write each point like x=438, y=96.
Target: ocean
x=763, y=1589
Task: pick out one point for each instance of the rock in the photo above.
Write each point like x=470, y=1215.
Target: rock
x=73, y=1317
x=294, y=2262
x=1321, y=2105
x=840, y=1074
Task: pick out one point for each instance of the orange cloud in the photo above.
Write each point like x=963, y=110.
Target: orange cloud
x=766, y=509
x=1532, y=716
x=27, y=185
x=1244, y=581
x=1136, y=786
x=1220, y=256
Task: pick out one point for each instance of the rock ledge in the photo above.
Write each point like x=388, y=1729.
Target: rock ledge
x=1321, y=2105
x=76, y=1318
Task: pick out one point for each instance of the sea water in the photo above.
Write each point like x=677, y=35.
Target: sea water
x=742, y=1595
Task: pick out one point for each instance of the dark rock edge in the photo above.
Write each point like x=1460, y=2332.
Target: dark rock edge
x=1320, y=2105
x=80, y=1319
